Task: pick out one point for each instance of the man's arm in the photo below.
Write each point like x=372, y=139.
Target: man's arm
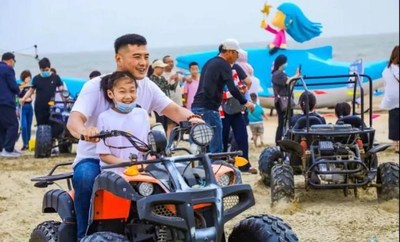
x=76, y=126
x=12, y=83
x=177, y=113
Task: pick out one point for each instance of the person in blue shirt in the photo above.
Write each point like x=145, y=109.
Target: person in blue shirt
x=8, y=118
x=256, y=121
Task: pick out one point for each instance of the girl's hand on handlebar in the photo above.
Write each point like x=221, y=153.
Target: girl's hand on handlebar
x=87, y=133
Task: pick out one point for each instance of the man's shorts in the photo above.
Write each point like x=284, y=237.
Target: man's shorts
x=257, y=129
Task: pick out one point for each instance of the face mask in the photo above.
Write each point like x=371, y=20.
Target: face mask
x=46, y=73
x=124, y=107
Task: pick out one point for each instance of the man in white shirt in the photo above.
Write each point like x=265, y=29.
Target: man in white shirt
x=131, y=55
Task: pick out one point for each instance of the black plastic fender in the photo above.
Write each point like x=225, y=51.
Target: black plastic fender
x=59, y=201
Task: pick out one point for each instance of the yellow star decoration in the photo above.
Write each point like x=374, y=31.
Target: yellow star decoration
x=266, y=9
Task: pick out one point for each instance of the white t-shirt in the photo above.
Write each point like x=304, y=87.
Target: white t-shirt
x=136, y=122
x=91, y=102
x=391, y=95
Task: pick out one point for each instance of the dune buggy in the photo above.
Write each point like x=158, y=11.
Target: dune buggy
x=170, y=198
x=329, y=156
x=56, y=134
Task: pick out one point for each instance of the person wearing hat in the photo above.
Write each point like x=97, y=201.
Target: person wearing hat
x=215, y=75
x=8, y=118
x=157, y=77
x=280, y=82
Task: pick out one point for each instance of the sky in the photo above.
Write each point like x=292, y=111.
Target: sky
x=93, y=25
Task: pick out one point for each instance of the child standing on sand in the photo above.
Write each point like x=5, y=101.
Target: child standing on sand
x=120, y=90
x=256, y=122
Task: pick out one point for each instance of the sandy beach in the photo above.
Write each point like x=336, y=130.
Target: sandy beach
x=315, y=215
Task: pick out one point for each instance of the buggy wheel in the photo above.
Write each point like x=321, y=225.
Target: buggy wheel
x=105, y=237
x=65, y=147
x=43, y=141
x=268, y=158
x=282, y=183
x=262, y=228
x=45, y=232
x=388, y=179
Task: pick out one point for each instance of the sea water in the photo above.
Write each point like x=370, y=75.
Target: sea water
x=80, y=64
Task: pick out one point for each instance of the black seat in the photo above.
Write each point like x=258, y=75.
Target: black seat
x=301, y=123
x=354, y=121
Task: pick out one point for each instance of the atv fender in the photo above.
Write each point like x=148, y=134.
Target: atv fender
x=59, y=201
x=291, y=147
x=376, y=149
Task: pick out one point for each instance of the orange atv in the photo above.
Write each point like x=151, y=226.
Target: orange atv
x=185, y=197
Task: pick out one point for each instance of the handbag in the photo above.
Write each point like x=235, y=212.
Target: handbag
x=283, y=102
x=232, y=106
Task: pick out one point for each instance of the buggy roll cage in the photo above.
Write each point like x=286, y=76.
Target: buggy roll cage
x=356, y=81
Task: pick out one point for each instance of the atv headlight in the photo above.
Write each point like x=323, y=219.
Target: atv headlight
x=145, y=189
x=201, y=134
x=225, y=179
x=65, y=93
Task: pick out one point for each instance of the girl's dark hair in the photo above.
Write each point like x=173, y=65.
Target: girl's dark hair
x=25, y=74
x=342, y=109
x=312, y=101
x=279, y=60
x=394, y=57
x=107, y=82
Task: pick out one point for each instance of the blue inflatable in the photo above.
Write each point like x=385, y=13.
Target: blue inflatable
x=74, y=85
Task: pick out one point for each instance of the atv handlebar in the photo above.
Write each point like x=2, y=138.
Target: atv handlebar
x=182, y=158
x=136, y=142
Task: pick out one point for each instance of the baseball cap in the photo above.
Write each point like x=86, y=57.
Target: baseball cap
x=8, y=56
x=230, y=44
x=158, y=63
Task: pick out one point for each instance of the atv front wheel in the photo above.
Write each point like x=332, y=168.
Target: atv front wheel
x=43, y=141
x=282, y=183
x=262, y=228
x=388, y=179
x=105, y=237
x=45, y=232
x=268, y=158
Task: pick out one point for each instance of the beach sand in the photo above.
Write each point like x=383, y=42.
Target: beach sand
x=315, y=215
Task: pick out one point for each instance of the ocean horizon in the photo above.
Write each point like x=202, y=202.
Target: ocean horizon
x=80, y=64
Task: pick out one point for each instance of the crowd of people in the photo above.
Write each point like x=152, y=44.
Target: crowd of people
x=223, y=95
x=21, y=102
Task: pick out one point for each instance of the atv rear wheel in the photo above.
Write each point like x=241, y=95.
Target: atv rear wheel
x=105, y=237
x=65, y=147
x=282, y=183
x=268, y=158
x=45, y=232
x=43, y=141
x=388, y=178
x=262, y=228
